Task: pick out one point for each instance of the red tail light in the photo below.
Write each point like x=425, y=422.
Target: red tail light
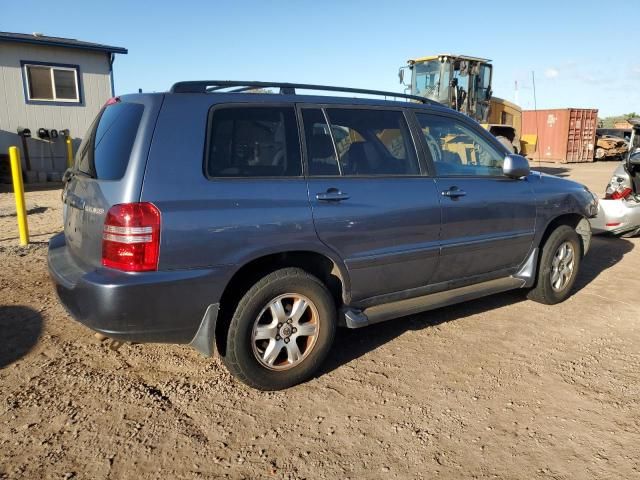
x=131, y=237
x=624, y=193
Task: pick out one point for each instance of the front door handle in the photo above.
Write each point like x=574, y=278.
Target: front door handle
x=453, y=193
x=332, y=195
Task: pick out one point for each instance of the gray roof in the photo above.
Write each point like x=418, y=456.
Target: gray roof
x=39, y=39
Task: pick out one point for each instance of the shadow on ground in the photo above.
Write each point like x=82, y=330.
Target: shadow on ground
x=605, y=252
x=31, y=211
x=20, y=328
x=32, y=235
x=33, y=187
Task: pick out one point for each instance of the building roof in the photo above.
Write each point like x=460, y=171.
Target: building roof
x=39, y=39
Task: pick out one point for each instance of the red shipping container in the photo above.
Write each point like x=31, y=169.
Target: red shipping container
x=566, y=135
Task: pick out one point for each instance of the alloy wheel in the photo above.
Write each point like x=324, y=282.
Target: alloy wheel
x=285, y=331
x=562, y=266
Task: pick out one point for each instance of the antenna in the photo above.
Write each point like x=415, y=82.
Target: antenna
x=535, y=109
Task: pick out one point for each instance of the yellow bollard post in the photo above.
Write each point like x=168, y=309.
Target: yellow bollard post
x=18, y=191
x=69, y=151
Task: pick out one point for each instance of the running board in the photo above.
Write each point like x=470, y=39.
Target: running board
x=380, y=313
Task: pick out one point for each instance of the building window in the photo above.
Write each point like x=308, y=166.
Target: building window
x=51, y=83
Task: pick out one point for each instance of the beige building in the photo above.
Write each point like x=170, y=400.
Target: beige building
x=623, y=125
x=48, y=85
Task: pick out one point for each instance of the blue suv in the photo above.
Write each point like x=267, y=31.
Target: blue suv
x=253, y=224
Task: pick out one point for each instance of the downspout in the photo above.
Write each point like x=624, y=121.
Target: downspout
x=112, y=57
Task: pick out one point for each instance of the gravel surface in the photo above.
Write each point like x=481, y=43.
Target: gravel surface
x=498, y=387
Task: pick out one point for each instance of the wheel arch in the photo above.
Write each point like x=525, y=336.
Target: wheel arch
x=574, y=220
x=330, y=271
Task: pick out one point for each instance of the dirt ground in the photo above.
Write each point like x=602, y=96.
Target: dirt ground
x=496, y=388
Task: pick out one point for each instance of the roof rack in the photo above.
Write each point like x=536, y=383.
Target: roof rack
x=209, y=86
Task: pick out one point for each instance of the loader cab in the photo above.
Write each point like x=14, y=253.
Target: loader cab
x=460, y=82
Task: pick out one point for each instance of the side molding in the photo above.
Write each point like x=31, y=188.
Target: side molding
x=379, y=313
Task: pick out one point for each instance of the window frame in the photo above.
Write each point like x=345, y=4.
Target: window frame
x=227, y=105
x=422, y=166
x=78, y=101
x=473, y=127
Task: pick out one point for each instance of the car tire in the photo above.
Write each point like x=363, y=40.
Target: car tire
x=272, y=343
x=558, y=268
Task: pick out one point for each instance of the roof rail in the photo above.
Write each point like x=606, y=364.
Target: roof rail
x=209, y=86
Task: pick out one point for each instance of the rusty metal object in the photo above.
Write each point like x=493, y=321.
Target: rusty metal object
x=610, y=148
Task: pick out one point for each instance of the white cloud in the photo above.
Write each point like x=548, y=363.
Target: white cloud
x=551, y=73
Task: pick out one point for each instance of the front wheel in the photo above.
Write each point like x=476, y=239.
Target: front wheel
x=281, y=331
x=559, y=265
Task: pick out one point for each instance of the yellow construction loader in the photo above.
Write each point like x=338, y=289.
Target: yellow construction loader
x=464, y=84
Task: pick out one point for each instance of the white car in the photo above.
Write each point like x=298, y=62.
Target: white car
x=619, y=211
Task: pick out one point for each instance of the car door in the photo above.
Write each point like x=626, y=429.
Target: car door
x=488, y=219
x=370, y=201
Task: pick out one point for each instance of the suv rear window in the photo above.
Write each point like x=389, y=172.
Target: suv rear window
x=106, y=148
x=253, y=142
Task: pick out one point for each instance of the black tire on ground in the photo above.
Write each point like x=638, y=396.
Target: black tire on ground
x=544, y=291
x=241, y=359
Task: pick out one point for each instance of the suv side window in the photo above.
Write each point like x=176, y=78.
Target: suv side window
x=457, y=150
x=253, y=142
x=368, y=142
x=321, y=155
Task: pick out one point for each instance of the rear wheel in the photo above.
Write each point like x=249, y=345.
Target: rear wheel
x=281, y=331
x=559, y=264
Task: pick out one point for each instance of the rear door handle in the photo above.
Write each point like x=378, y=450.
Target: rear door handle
x=332, y=195
x=453, y=192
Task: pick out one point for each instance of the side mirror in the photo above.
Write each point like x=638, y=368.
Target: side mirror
x=634, y=159
x=401, y=75
x=515, y=166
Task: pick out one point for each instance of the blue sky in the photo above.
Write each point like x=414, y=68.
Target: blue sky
x=582, y=56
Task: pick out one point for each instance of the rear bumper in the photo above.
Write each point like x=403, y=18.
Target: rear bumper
x=616, y=216
x=165, y=307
